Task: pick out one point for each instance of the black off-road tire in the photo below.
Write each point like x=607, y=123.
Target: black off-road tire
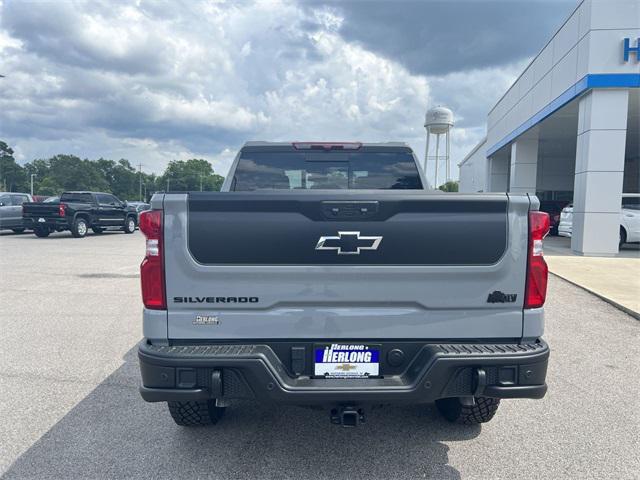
x=80, y=227
x=193, y=414
x=454, y=411
x=129, y=225
x=18, y=230
x=41, y=232
x=97, y=230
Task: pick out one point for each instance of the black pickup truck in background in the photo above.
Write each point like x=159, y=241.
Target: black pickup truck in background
x=79, y=211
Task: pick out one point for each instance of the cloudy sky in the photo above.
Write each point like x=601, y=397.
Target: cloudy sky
x=153, y=81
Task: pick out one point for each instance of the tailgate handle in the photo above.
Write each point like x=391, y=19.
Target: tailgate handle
x=349, y=210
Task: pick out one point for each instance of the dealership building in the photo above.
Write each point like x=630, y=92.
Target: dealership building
x=569, y=127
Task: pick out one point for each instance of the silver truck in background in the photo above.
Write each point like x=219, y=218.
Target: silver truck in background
x=326, y=274
x=11, y=210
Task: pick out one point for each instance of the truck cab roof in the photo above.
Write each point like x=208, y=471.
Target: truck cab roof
x=86, y=191
x=260, y=143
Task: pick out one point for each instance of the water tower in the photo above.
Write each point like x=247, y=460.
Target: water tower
x=438, y=121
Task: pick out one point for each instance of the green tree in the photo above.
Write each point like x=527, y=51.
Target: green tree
x=66, y=172
x=42, y=185
x=47, y=186
x=12, y=175
x=149, y=185
x=192, y=174
x=72, y=173
x=450, y=186
x=69, y=172
x=122, y=178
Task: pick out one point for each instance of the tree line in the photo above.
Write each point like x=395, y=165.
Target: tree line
x=61, y=173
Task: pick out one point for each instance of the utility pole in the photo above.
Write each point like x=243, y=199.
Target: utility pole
x=140, y=170
x=32, y=175
x=167, y=185
x=201, y=175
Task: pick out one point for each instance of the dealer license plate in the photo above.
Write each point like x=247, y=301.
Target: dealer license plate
x=340, y=360
x=41, y=220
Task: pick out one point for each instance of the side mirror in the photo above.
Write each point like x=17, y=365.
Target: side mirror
x=125, y=204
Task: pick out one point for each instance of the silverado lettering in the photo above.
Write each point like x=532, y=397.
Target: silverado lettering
x=216, y=299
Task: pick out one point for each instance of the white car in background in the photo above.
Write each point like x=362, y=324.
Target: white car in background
x=629, y=219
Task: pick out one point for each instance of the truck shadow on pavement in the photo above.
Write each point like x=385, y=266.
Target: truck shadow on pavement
x=58, y=235
x=113, y=433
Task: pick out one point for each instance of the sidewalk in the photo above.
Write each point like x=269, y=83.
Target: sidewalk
x=614, y=279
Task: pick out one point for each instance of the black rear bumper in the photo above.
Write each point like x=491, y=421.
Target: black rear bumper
x=54, y=223
x=201, y=372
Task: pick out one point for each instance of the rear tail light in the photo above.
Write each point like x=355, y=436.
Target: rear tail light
x=537, y=270
x=62, y=209
x=152, y=267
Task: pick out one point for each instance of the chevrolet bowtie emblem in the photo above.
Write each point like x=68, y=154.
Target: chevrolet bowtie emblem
x=348, y=243
x=345, y=367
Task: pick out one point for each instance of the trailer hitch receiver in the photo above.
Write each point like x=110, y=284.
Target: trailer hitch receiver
x=347, y=416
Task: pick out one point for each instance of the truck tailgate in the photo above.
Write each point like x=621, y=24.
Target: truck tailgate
x=35, y=209
x=353, y=264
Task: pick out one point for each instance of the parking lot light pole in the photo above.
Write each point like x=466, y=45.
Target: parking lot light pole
x=32, y=175
x=140, y=173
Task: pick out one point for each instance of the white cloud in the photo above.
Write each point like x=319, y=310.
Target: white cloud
x=155, y=81
x=349, y=92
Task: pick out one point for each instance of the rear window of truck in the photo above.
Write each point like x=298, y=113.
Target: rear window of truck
x=282, y=170
x=76, y=198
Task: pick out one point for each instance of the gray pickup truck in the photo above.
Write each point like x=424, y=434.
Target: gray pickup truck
x=327, y=274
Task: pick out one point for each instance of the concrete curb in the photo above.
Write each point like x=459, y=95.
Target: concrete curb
x=626, y=310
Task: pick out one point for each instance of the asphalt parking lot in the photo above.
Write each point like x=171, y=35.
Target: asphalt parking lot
x=70, y=317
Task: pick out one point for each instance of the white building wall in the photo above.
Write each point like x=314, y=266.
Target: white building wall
x=473, y=170
x=580, y=76
x=523, y=165
x=602, y=132
x=498, y=174
x=589, y=42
